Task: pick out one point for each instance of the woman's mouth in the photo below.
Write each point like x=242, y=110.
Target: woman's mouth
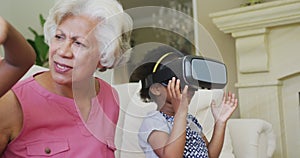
x=61, y=68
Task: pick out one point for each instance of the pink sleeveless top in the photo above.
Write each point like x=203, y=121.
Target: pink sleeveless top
x=53, y=126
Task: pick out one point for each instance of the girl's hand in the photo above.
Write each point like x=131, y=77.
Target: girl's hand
x=223, y=112
x=178, y=100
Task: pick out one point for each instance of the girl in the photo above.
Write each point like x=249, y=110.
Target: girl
x=171, y=131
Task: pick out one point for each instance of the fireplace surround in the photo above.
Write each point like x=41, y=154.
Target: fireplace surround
x=267, y=38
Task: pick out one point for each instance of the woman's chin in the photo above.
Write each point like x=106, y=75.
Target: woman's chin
x=60, y=78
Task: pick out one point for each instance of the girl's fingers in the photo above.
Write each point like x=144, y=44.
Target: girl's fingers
x=229, y=96
x=177, y=88
x=185, y=90
x=173, y=82
x=174, y=88
x=229, y=99
x=233, y=98
x=224, y=98
x=184, y=96
x=169, y=88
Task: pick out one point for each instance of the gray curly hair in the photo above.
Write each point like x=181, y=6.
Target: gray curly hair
x=113, y=33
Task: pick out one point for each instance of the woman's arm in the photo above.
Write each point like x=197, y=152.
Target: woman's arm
x=172, y=145
x=221, y=115
x=19, y=56
x=11, y=117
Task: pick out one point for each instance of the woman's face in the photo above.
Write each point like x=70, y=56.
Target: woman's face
x=73, y=53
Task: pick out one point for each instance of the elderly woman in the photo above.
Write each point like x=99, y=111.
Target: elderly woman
x=66, y=112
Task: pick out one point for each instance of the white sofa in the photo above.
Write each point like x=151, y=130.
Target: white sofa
x=244, y=138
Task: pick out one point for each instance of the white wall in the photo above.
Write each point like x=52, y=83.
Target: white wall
x=24, y=14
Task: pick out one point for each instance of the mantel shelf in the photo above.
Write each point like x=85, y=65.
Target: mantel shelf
x=258, y=17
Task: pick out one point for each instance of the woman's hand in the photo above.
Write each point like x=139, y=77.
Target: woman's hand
x=3, y=30
x=223, y=112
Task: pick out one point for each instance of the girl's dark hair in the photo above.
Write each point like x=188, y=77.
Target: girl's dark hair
x=145, y=67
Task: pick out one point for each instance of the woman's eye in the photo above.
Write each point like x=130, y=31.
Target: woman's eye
x=58, y=37
x=79, y=44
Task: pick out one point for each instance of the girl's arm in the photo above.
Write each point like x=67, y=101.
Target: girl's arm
x=221, y=115
x=19, y=56
x=172, y=145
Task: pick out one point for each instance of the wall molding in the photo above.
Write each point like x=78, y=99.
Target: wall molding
x=259, y=84
x=269, y=14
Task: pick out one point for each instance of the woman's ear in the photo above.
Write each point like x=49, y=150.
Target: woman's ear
x=100, y=67
x=156, y=89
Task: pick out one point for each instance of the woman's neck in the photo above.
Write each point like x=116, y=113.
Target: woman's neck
x=84, y=89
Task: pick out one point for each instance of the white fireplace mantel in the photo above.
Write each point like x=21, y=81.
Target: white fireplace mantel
x=252, y=20
x=267, y=39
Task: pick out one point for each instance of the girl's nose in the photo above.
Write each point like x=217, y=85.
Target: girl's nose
x=65, y=50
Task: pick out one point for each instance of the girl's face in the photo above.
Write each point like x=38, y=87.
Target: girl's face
x=190, y=94
x=73, y=53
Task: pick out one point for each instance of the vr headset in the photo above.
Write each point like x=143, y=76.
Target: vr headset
x=194, y=71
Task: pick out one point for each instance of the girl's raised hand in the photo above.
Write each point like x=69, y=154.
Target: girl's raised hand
x=224, y=111
x=178, y=100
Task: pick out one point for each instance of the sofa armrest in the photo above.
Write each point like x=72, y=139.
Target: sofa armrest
x=252, y=138
x=34, y=69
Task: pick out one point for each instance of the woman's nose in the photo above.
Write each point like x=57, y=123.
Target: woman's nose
x=65, y=50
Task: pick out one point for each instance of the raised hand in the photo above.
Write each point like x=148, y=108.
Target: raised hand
x=179, y=100
x=224, y=111
x=3, y=30
x=19, y=56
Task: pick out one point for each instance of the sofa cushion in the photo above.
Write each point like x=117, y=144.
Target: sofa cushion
x=256, y=135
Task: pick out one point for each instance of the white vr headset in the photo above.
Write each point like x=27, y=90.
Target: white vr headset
x=194, y=71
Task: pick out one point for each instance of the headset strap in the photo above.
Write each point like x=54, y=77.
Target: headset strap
x=159, y=61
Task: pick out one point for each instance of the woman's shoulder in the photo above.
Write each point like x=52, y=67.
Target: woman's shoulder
x=10, y=112
x=23, y=82
x=103, y=83
x=8, y=100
